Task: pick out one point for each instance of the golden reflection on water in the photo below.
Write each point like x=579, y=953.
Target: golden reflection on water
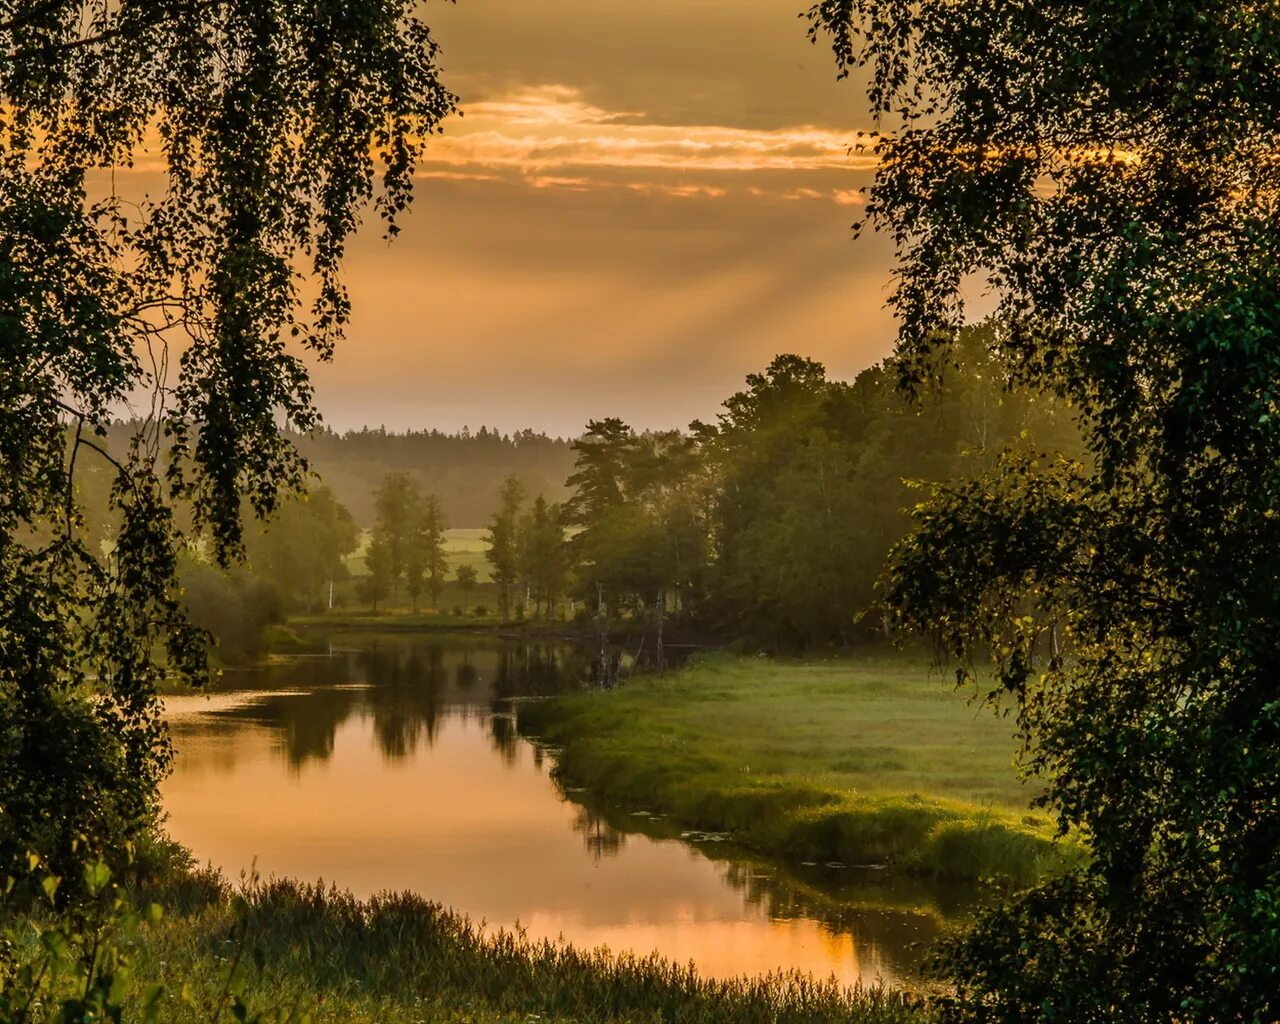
x=467, y=815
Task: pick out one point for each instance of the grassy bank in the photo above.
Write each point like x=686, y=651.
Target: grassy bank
x=399, y=959
x=869, y=760
x=392, y=621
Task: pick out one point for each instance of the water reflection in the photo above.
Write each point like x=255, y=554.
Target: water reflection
x=402, y=687
x=396, y=763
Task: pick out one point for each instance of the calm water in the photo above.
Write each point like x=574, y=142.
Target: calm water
x=395, y=763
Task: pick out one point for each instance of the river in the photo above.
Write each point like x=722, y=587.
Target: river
x=395, y=762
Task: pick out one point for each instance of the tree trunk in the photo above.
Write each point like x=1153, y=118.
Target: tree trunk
x=662, y=615
x=602, y=635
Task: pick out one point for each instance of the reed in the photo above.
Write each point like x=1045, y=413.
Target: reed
x=399, y=958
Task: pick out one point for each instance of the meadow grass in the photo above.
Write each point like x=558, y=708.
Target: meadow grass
x=392, y=621
x=870, y=759
x=464, y=546
x=398, y=959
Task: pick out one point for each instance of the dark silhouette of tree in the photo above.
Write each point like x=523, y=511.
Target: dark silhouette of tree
x=398, y=506
x=302, y=550
x=431, y=540
x=275, y=124
x=466, y=580
x=1110, y=169
x=541, y=555
x=772, y=525
x=377, y=585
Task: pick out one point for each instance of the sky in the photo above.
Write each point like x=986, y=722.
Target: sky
x=643, y=201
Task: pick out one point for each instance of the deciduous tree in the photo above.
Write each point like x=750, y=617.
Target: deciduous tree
x=501, y=542
x=273, y=124
x=1110, y=170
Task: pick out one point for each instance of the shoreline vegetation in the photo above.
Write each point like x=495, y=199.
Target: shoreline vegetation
x=855, y=761
x=283, y=950
x=295, y=634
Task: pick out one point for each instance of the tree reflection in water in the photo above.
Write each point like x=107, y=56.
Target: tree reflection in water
x=405, y=686
x=602, y=839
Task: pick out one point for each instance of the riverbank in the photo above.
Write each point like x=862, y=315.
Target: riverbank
x=289, y=950
x=291, y=636
x=868, y=760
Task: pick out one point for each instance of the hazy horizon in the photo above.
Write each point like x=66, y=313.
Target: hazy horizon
x=599, y=236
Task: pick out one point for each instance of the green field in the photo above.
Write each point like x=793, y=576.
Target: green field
x=865, y=760
x=461, y=547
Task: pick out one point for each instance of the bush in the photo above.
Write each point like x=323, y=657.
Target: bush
x=65, y=772
x=481, y=611
x=235, y=608
x=82, y=959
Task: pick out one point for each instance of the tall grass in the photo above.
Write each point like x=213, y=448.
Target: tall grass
x=398, y=958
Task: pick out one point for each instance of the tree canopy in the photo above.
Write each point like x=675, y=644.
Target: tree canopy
x=271, y=124
x=1109, y=170
x=771, y=525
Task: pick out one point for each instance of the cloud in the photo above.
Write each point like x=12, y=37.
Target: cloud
x=550, y=136
x=543, y=105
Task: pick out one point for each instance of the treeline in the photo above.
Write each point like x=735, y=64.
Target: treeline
x=407, y=547
x=463, y=471
x=293, y=563
x=772, y=524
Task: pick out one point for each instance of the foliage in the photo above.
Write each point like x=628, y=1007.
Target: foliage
x=82, y=965
x=541, y=555
x=303, y=549
x=186, y=948
x=465, y=576
x=398, y=505
x=275, y=123
x=234, y=609
x=407, y=542
x=398, y=959
x=376, y=586
x=502, y=543
x=1110, y=170
x=640, y=538
x=772, y=524
x=431, y=543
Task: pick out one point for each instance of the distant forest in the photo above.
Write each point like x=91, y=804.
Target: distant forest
x=464, y=471
x=769, y=526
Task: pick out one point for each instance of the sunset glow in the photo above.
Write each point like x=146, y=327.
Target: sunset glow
x=683, y=182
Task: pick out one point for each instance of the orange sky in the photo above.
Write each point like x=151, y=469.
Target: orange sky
x=645, y=200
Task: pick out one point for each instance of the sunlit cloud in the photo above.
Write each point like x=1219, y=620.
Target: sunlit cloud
x=550, y=136
x=543, y=105
x=848, y=197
